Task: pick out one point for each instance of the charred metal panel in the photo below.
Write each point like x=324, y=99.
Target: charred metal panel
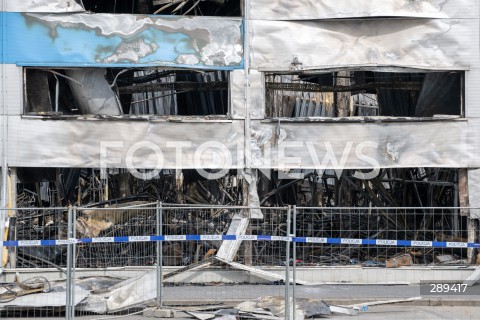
x=50, y=6
x=337, y=9
x=390, y=144
x=418, y=43
x=38, y=93
x=77, y=143
x=123, y=41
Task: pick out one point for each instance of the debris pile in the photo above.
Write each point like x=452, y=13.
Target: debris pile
x=392, y=188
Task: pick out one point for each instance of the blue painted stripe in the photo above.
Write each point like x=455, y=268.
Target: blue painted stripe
x=83, y=41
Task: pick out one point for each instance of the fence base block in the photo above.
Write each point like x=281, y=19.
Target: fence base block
x=159, y=313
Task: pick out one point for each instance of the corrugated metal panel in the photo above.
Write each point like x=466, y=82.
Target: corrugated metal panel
x=472, y=98
x=53, y=6
x=417, y=43
x=393, y=144
x=333, y=9
x=123, y=40
x=473, y=142
x=37, y=143
x=14, y=88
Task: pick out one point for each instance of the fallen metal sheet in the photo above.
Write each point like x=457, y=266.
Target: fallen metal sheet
x=95, y=96
x=250, y=307
x=377, y=303
x=201, y=315
x=344, y=310
x=277, y=306
x=132, y=293
x=123, y=40
x=334, y=9
x=49, y=299
x=473, y=278
x=50, y=6
x=434, y=44
x=238, y=226
x=128, y=293
x=312, y=307
x=96, y=303
x=258, y=272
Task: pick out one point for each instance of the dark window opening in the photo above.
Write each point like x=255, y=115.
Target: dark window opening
x=168, y=7
x=364, y=93
x=116, y=92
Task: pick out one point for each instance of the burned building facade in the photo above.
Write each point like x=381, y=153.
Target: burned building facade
x=318, y=104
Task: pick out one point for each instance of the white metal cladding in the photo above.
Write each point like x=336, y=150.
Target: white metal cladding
x=473, y=142
x=332, y=9
x=394, y=144
x=76, y=143
x=14, y=89
x=51, y=6
x=237, y=93
x=256, y=101
x=433, y=44
x=256, y=97
x=472, y=96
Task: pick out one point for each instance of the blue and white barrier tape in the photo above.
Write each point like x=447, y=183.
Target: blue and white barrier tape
x=348, y=241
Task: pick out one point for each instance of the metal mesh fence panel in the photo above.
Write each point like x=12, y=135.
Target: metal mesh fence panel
x=379, y=237
x=223, y=271
x=28, y=292
x=106, y=223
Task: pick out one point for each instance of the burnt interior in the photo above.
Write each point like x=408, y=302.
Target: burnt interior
x=147, y=91
x=168, y=7
x=417, y=188
x=364, y=93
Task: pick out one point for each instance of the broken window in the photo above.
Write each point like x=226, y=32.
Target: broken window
x=178, y=7
x=364, y=93
x=117, y=92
